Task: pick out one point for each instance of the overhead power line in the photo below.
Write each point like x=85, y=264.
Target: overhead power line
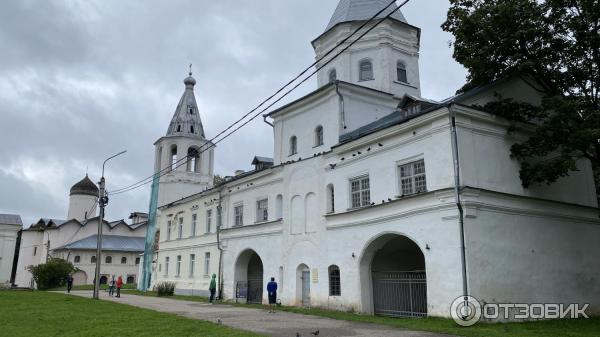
x=212, y=143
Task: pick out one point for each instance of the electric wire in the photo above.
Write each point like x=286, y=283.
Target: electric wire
x=212, y=144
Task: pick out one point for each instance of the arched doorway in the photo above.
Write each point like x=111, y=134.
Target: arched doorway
x=393, y=277
x=103, y=279
x=249, y=277
x=303, y=285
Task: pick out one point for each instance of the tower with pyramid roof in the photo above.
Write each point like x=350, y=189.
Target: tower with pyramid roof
x=386, y=59
x=184, y=156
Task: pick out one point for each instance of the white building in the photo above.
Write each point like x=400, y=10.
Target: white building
x=75, y=240
x=10, y=225
x=358, y=209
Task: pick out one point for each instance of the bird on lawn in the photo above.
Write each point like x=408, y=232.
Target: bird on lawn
x=316, y=333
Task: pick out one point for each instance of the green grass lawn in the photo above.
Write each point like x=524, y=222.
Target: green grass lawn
x=555, y=328
x=38, y=313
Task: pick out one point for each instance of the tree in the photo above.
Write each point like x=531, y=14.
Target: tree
x=553, y=44
x=51, y=274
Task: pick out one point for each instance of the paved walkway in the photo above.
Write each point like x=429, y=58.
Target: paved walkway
x=280, y=324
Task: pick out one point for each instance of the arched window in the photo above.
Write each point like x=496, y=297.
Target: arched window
x=178, y=128
x=130, y=279
x=330, y=199
x=335, y=286
x=173, y=157
x=193, y=162
x=332, y=75
x=365, y=70
x=77, y=259
x=279, y=207
x=93, y=259
x=108, y=259
x=401, y=72
x=293, y=145
x=319, y=136
x=191, y=129
x=123, y=260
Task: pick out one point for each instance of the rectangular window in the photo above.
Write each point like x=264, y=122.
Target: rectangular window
x=178, y=266
x=166, y=266
x=194, y=221
x=360, y=193
x=208, y=220
x=412, y=178
x=219, y=219
x=168, y=230
x=238, y=212
x=206, y=263
x=262, y=210
x=192, y=264
x=180, y=228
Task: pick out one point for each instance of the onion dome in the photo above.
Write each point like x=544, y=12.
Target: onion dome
x=85, y=187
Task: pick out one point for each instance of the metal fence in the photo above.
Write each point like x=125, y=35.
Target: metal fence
x=251, y=290
x=400, y=293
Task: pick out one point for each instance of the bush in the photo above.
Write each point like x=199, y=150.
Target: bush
x=51, y=274
x=165, y=289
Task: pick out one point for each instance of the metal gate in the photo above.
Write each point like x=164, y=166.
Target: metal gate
x=400, y=293
x=255, y=289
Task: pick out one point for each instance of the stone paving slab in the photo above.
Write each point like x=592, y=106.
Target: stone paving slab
x=279, y=324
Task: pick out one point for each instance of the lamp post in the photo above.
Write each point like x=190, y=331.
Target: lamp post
x=102, y=201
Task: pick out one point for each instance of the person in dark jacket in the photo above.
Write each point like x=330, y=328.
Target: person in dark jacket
x=212, y=288
x=69, y=283
x=272, y=292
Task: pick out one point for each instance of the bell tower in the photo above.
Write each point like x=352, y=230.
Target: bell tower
x=184, y=154
x=386, y=59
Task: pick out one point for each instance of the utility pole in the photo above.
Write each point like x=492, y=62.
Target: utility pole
x=102, y=202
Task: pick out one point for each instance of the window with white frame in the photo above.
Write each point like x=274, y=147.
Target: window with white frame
x=262, y=210
x=178, y=266
x=365, y=71
x=238, y=212
x=360, y=194
x=412, y=177
x=401, y=72
x=208, y=220
x=192, y=264
x=168, y=230
x=180, y=228
x=319, y=136
x=166, y=266
x=206, y=263
x=194, y=223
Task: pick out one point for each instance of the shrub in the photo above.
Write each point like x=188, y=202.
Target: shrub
x=165, y=289
x=51, y=274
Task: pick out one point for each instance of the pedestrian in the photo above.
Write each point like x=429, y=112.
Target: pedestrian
x=272, y=291
x=119, y=285
x=111, y=286
x=69, y=283
x=212, y=288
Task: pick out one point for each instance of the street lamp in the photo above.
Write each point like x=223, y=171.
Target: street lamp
x=102, y=201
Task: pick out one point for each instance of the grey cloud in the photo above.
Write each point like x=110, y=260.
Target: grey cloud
x=80, y=81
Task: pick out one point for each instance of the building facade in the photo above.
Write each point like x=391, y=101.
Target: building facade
x=75, y=240
x=370, y=186
x=10, y=225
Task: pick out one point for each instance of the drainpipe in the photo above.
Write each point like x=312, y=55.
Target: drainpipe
x=219, y=224
x=458, y=202
x=342, y=111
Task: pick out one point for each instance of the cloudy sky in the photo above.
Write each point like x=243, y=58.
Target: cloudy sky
x=81, y=80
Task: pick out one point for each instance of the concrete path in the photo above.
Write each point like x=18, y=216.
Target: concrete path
x=279, y=324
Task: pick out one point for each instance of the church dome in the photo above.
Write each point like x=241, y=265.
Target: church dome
x=189, y=81
x=85, y=186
